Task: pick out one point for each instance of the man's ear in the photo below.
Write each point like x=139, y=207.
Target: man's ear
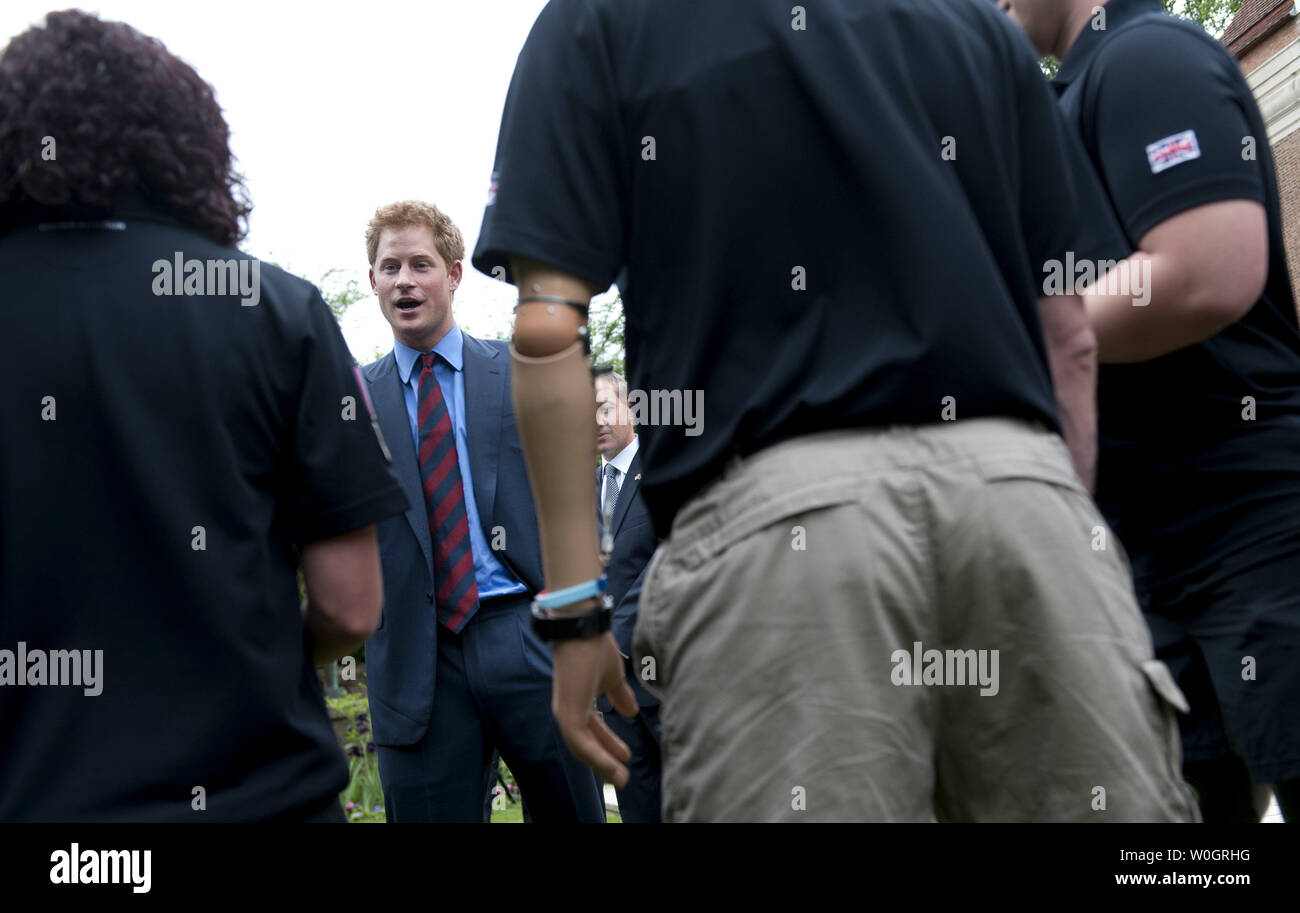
x=374, y=288
x=455, y=274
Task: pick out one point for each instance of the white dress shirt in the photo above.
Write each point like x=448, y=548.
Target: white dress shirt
x=622, y=460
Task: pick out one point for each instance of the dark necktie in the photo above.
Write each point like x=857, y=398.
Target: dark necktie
x=611, y=494
x=456, y=593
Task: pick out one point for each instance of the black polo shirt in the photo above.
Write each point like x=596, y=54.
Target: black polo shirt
x=829, y=219
x=1194, y=487
x=162, y=460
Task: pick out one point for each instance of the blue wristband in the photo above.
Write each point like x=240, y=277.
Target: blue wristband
x=571, y=595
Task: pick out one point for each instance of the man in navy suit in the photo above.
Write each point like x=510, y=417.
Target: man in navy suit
x=632, y=542
x=454, y=669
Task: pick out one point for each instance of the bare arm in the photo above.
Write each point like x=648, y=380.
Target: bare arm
x=345, y=592
x=1072, y=355
x=1200, y=272
x=555, y=407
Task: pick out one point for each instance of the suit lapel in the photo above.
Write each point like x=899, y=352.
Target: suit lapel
x=626, y=492
x=485, y=390
x=390, y=406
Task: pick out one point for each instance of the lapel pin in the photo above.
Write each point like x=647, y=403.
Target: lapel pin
x=637, y=477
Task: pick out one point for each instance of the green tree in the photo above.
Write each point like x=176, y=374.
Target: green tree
x=1213, y=15
x=605, y=328
x=339, y=292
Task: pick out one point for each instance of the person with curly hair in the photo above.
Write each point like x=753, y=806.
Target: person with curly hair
x=126, y=118
x=173, y=452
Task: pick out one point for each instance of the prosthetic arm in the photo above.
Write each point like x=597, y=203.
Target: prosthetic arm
x=555, y=408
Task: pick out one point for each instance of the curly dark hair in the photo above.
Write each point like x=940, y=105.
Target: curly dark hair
x=126, y=115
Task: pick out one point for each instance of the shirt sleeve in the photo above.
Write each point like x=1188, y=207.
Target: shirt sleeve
x=339, y=478
x=1168, y=127
x=1063, y=207
x=559, y=183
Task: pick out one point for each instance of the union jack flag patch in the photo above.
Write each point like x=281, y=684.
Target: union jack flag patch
x=1173, y=150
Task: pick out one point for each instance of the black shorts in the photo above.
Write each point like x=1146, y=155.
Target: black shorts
x=1233, y=647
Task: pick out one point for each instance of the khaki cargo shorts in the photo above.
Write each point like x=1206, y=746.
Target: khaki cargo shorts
x=906, y=624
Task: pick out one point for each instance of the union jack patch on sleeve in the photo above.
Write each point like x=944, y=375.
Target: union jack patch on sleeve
x=1173, y=150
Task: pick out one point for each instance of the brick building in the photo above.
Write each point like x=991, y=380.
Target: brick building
x=1264, y=36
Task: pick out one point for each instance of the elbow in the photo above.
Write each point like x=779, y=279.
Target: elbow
x=1211, y=263
x=370, y=608
x=1221, y=299
x=360, y=633
x=361, y=623
x=548, y=327
x=349, y=607
x=353, y=617
x=542, y=338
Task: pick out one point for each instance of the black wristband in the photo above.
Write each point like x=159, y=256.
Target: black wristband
x=573, y=627
x=553, y=299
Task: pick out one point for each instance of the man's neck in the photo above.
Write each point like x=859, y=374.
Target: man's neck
x=1080, y=15
x=427, y=342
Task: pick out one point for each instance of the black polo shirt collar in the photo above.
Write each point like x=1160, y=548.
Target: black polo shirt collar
x=127, y=204
x=1085, y=47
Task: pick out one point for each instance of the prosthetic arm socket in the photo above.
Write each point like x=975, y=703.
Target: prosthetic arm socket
x=555, y=408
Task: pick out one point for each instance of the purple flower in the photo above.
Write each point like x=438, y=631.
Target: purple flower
x=350, y=806
x=370, y=748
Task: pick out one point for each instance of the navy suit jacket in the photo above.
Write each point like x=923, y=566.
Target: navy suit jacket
x=634, y=544
x=402, y=655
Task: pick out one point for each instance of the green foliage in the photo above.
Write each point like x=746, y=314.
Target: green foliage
x=1213, y=15
x=363, y=799
x=506, y=806
x=339, y=292
x=605, y=327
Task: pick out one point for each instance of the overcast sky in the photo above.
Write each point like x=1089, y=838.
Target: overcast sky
x=335, y=110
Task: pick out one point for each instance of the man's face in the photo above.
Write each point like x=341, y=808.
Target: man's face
x=414, y=286
x=613, y=422
x=1042, y=20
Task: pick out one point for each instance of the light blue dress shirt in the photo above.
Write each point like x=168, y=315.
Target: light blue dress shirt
x=493, y=577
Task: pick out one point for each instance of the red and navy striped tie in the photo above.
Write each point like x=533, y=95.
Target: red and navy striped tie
x=456, y=593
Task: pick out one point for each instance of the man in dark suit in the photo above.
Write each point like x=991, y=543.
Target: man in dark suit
x=631, y=544
x=454, y=669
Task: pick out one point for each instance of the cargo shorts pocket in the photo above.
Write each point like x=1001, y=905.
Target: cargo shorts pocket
x=1169, y=695
x=708, y=547
x=1162, y=682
